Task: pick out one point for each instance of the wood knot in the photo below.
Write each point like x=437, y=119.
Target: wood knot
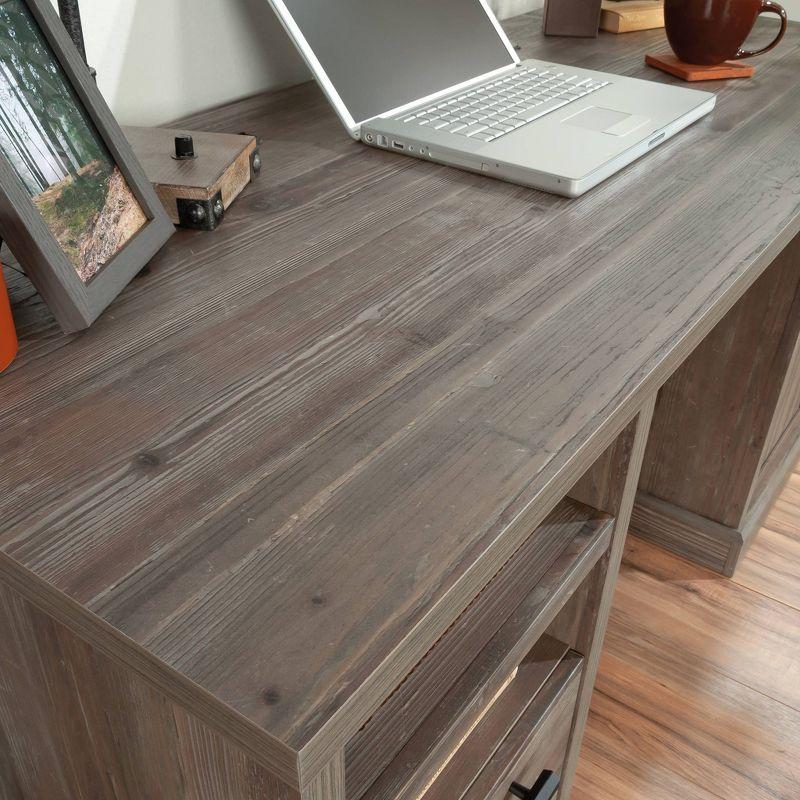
x=148, y=459
x=484, y=380
x=271, y=697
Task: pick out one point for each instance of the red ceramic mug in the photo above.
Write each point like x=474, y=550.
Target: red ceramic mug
x=713, y=31
x=8, y=334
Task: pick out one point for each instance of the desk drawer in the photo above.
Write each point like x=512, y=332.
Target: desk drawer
x=518, y=738
x=502, y=635
x=538, y=741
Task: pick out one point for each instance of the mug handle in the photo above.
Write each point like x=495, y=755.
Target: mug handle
x=768, y=7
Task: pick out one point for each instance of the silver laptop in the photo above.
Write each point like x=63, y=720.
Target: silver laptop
x=439, y=80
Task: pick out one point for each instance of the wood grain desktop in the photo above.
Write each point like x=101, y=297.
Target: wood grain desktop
x=381, y=433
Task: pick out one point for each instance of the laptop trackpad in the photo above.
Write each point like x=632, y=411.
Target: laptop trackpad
x=606, y=120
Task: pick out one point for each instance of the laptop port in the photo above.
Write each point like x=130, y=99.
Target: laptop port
x=398, y=145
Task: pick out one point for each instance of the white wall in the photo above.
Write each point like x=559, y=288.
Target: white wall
x=161, y=59
x=158, y=60
x=511, y=8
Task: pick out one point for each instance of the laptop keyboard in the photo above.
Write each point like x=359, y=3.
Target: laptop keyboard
x=494, y=109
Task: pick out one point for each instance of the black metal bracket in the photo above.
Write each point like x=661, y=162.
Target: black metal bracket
x=200, y=215
x=255, y=157
x=544, y=788
x=255, y=164
x=206, y=215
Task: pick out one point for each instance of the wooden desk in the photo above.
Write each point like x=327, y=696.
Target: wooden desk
x=370, y=451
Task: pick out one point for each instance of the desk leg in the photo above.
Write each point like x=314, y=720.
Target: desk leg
x=611, y=486
x=725, y=429
x=329, y=784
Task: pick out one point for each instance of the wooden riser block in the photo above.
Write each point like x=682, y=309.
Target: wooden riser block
x=698, y=72
x=222, y=165
x=626, y=16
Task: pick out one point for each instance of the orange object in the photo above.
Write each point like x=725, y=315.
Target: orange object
x=698, y=72
x=8, y=333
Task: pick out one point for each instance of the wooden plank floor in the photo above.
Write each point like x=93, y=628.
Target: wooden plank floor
x=698, y=696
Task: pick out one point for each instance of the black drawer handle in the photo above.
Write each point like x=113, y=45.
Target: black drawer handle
x=543, y=789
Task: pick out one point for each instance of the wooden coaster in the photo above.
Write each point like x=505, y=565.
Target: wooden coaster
x=625, y=16
x=698, y=72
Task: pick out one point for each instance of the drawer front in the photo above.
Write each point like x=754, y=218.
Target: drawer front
x=547, y=749
x=512, y=746
x=533, y=745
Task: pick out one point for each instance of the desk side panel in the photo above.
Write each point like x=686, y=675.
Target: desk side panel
x=611, y=485
x=74, y=724
x=717, y=420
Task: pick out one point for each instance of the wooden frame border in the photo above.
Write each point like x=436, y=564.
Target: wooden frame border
x=76, y=305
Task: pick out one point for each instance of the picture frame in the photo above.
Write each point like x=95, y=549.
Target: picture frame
x=67, y=258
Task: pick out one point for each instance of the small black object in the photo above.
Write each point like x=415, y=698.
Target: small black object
x=544, y=788
x=184, y=148
x=70, y=15
x=201, y=215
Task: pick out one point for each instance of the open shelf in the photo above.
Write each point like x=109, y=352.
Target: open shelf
x=497, y=645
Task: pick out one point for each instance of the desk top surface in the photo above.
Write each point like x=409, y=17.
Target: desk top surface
x=297, y=444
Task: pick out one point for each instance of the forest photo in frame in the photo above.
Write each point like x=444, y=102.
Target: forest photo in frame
x=75, y=206
x=56, y=151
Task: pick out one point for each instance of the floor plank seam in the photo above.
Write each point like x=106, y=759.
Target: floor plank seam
x=766, y=596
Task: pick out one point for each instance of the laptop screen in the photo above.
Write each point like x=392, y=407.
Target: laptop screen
x=382, y=54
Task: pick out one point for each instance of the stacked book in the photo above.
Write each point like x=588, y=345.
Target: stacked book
x=624, y=16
